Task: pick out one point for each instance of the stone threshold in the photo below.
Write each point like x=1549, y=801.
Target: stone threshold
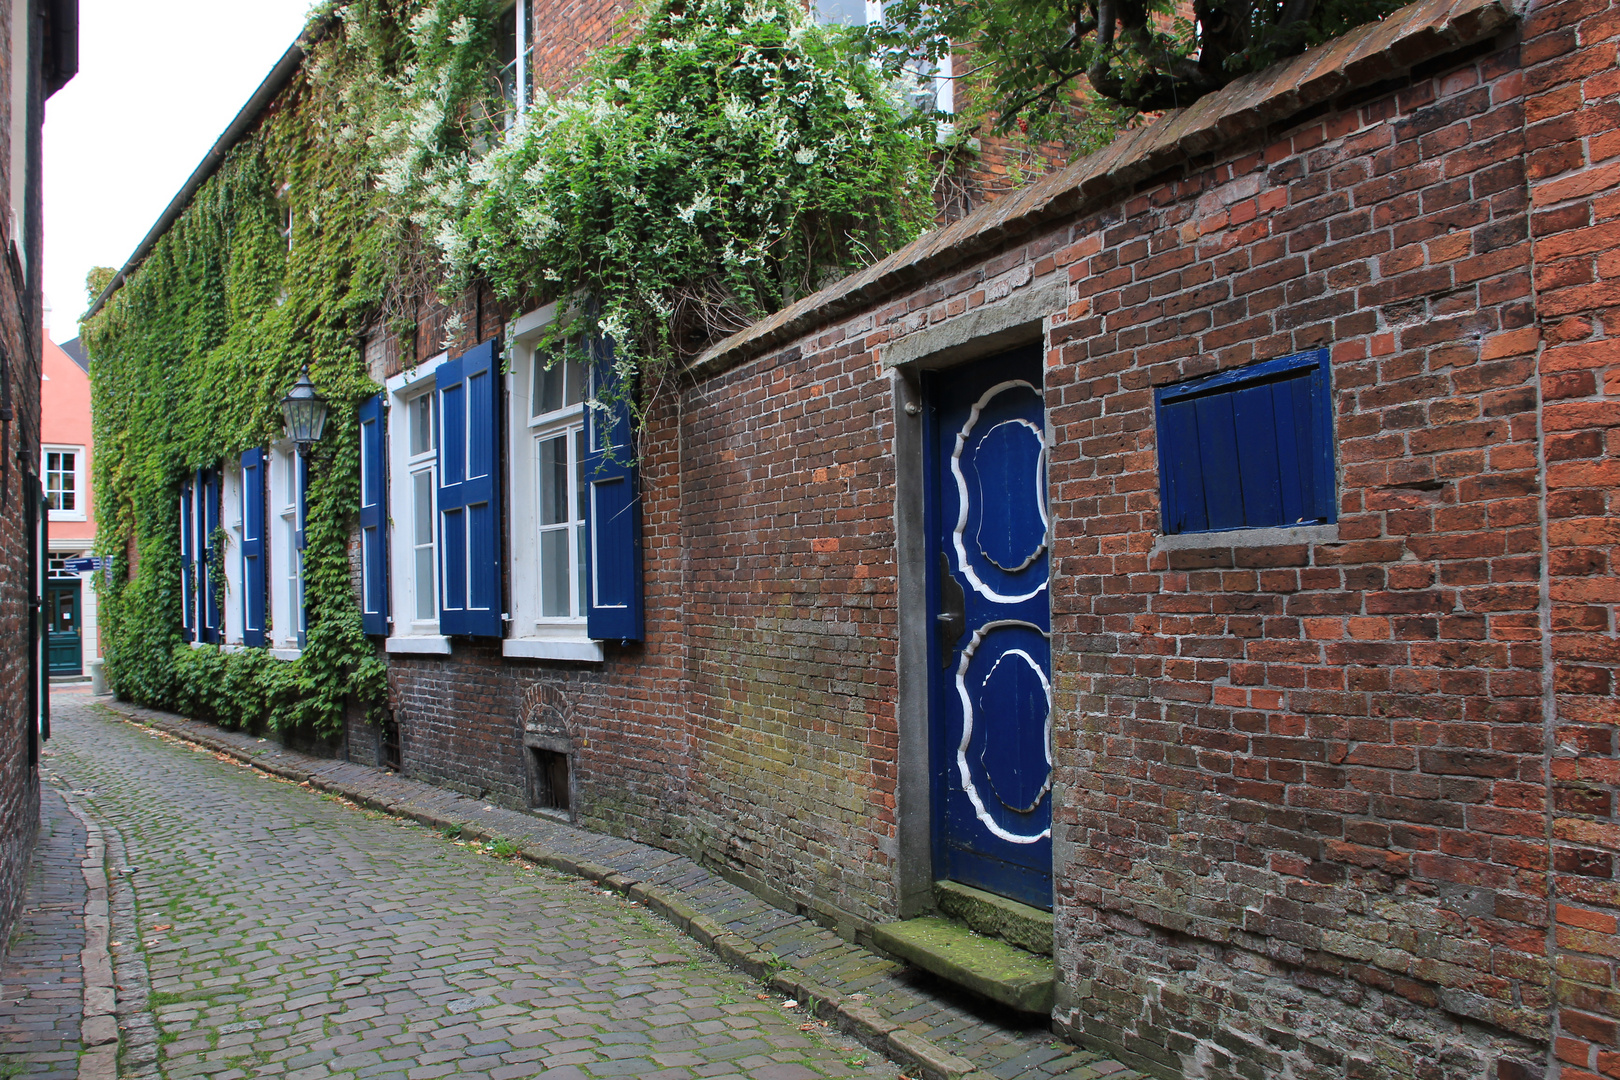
x=909, y=1018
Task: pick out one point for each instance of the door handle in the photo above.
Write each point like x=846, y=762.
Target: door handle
x=952, y=618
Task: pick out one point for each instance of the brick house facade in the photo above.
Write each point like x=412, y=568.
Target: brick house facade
x=1330, y=797
x=40, y=56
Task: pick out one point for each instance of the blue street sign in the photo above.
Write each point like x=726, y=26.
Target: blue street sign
x=87, y=565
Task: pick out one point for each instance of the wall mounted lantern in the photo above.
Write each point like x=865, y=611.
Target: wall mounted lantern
x=305, y=412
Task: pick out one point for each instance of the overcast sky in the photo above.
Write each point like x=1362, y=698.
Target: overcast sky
x=158, y=82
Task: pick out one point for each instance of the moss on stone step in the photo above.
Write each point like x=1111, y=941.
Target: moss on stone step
x=985, y=965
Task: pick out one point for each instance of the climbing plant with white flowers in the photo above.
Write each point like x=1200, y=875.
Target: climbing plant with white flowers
x=729, y=158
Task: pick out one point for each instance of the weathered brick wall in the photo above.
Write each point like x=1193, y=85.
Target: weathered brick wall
x=1304, y=823
x=1572, y=113
x=20, y=362
x=1311, y=776
x=789, y=511
x=1341, y=807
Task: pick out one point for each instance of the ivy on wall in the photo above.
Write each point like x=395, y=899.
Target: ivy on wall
x=727, y=158
x=191, y=356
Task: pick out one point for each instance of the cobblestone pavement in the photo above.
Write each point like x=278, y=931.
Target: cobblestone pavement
x=906, y=1013
x=41, y=986
x=289, y=934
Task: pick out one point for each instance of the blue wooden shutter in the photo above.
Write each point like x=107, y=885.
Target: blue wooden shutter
x=1248, y=448
x=188, y=565
x=253, y=568
x=470, y=492
x=612, y=507
x=373, y=520
x=208, y=556
x=452, y=515
x=301, y=540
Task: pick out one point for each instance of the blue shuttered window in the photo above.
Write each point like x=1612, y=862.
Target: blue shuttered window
x=470, y=493
x=1249, y=448
x=254, y=581
x=612, y=507
x=373, y=519
x=188, y=562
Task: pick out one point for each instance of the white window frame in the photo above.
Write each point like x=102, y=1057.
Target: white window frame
x=281, y=522
x=81, y=497
x=406, y=633
x=230, y=519
x=522, y=61
x=534, y=635
x=944, y=83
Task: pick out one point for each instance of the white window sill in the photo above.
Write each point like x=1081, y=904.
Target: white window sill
x=1249, y=538
x=285, y=654
x=553, y=649
x=66, y=515
x=423, y=644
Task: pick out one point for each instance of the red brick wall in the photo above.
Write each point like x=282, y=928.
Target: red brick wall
x=1311, y=770
x=790, y=623
x=20, y=358
x=568, y=32
x=1572, y=113
x=1338, y=807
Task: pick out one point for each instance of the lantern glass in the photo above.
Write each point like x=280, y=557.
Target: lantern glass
x=304, y=411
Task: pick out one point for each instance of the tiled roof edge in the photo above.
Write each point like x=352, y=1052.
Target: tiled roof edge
x=1418, y=32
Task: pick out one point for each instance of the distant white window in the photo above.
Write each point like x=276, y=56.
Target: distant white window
x=286, y=548
x=413, y=489
x=231, y=513
x=65, y=493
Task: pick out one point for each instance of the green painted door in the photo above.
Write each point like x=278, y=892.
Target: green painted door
x=62, y=610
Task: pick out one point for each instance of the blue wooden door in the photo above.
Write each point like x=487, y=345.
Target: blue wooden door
x=991, y=661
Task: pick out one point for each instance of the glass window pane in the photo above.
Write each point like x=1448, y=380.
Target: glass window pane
x=422, y=426
x=579, y=474
x=424, y=584
x=841, y=12
x=550, y=375
x=554, y=480
x=422, y=485
x=554, y=596
x=574, y=389
x=557, y=384
x=579, y=569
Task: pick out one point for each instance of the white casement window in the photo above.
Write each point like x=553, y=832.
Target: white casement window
x=286, y=571
x=65, y=494
x=413, y=488
x=546, y=426
x=931, y=79
x=514, y=48
x=230, y=503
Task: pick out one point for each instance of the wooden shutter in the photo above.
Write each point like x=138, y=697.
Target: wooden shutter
x=188, y=562
x=254, y=578
x=470, y=493
x=612, y=507
x=373, y=519
x=301, y=541
x=1248, y=448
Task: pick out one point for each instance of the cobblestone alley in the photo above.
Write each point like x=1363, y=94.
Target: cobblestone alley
x=283, y=933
